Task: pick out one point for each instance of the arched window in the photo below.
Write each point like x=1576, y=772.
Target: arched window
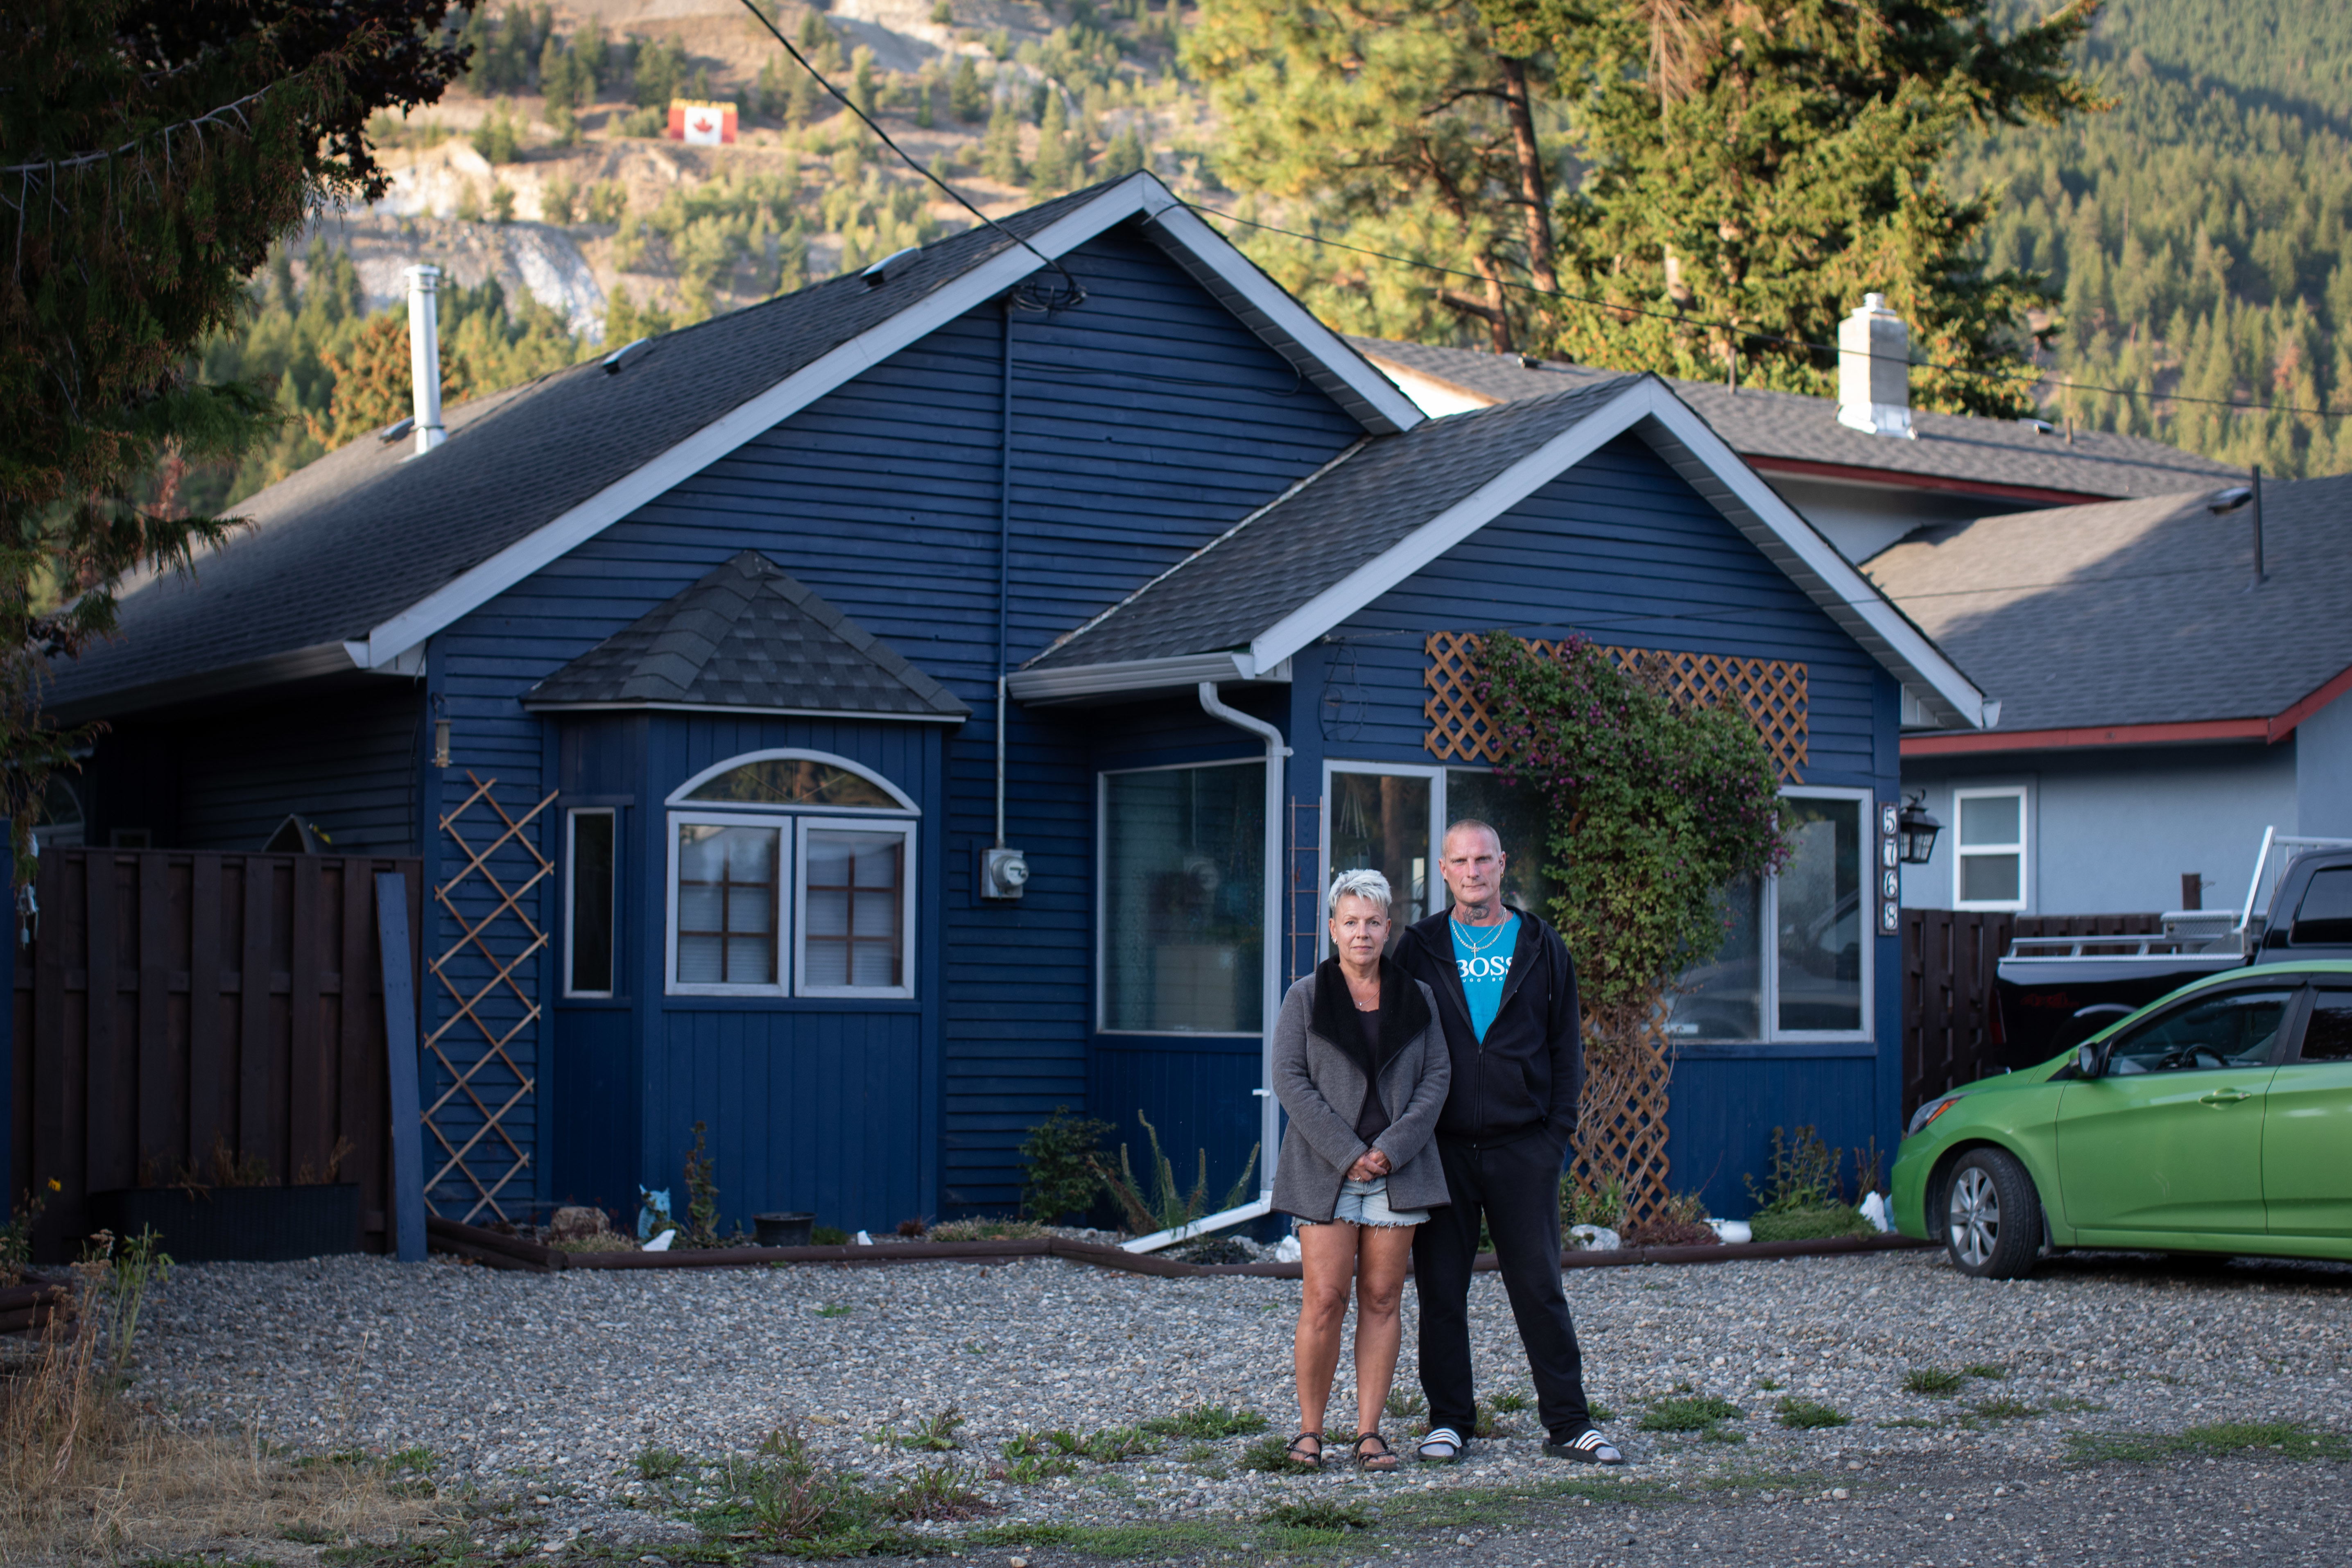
x=791, y=874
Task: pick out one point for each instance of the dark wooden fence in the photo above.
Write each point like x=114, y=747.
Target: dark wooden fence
x=174, y=1004
x=1947, y=978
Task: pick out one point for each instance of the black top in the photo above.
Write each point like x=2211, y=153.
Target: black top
x=1525, y=1078
x=1373, y=1118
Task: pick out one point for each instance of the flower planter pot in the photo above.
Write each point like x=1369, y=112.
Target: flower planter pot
x=784, y=1229
x=236, y=1225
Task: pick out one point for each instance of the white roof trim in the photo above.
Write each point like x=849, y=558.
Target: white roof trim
x=1079, y=682
x=1140, y=193
x=1664, y=420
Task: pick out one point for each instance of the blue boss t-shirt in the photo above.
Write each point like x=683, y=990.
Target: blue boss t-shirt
x=1482, y=954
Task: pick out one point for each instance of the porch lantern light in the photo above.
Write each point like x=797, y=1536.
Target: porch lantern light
x=1915, y=829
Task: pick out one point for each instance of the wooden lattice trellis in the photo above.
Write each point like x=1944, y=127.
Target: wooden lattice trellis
x=1623, y=1131
x=472, y=1010
x=1773, y=691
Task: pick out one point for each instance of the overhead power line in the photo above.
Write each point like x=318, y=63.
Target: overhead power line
x=1750, y=334
x=1073, y=294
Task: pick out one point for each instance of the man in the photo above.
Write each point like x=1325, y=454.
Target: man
x=1507, y=997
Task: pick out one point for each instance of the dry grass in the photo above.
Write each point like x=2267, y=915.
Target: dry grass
x=88, y=1477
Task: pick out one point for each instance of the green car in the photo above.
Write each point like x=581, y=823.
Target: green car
x=2216, y=1119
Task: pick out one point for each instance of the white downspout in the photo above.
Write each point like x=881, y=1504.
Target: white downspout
x=425, y=355
x=1269, y=1112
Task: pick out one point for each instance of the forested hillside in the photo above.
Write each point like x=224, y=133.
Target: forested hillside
x=2197, y=231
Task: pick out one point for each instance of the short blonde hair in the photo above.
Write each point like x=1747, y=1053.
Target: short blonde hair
x=1365, y=883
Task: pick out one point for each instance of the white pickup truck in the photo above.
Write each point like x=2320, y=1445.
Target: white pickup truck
x=2053, y=992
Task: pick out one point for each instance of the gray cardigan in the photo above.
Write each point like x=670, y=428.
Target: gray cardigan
x=1319, y=1072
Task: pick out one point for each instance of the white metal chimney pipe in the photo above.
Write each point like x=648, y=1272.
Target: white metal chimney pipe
x=1874, y=370
x=425, y=355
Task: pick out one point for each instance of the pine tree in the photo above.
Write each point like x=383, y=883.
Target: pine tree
x=1000, y=147
x=1766, y=163
x=966, y=99
x=160, y=148
x=1390, y=124
x=1052, y=171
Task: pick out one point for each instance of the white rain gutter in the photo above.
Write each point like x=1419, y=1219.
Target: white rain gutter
x=1269, y=1113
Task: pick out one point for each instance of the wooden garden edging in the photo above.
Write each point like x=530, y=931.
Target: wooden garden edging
x=511, y=1252
x=24, y=1309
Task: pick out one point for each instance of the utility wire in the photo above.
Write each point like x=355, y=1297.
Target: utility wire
x=1073, y=294
x=1750, y=334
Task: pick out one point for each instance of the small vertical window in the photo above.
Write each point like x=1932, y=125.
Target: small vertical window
x=727, y=905
x=1818, y=913
x=589, y=938
x=1989, y=849
x=852, y=909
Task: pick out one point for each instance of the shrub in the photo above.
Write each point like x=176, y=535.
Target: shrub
x=1803, y=1415
x=1695, y=1414
x=1169, y=1206
x=1060, y=1153
x=1823, y=1224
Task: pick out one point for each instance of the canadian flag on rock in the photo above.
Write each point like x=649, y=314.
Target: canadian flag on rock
x=702, y=124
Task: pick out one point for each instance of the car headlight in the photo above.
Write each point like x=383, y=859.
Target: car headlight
x=1929, y=1112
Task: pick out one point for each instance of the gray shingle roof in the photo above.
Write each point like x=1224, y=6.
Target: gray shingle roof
x=364, y=533
x=748, y=637
x=1759, y=424
x=2139, y=612
x=1360, y=506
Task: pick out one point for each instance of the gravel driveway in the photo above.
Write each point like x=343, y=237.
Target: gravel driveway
x=551, y=1386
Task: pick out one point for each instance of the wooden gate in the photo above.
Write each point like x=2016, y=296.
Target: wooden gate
x=1949, y=1034
x=177, y=1007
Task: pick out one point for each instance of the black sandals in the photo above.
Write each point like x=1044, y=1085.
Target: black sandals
x=1304, y=1459
x=1383, y=1459
x=1588, y=1446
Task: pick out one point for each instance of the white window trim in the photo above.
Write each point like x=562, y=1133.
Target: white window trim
x=678, y=796
x=2021, y=793
x=671, y=985
x=1865, y=917
x=1435, y=901
x=798, y=884
x=572, y=817
x=1102, y=903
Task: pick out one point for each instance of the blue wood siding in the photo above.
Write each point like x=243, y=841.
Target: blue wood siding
x=346, y=761
x=1198, y=1093
x=1144, y=423
x=1621, y=550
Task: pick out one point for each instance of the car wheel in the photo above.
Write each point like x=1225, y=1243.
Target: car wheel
x=1992, y=1216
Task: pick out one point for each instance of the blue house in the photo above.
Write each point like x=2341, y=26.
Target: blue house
x=866, y=721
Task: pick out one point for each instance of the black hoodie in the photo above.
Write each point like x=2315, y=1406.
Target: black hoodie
x=1526, y=1076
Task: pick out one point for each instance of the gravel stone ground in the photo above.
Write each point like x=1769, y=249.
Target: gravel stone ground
x=548, y=1388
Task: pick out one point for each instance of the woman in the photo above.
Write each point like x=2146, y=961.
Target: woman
x=1361, y=1067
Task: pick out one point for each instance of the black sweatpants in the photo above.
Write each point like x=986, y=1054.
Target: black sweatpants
x=1515, y=1188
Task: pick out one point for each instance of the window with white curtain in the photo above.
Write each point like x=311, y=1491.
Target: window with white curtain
x=768, y=900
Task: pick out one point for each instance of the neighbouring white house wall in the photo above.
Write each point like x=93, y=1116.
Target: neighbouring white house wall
x=1861, y=519
x=2113, y=831
x=2324, y=771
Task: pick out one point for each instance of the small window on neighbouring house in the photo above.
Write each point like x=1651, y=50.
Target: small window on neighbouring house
x=589, y=937
x=1989, y=849
x=727, y=904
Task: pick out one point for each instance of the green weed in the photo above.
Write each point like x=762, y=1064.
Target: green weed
x=2004, y=1409
x=1932, y=1380
x=1984, y=1369
x=1695, y=1414
x=661, y=1464
x=1403, y=1403
x=2288, y=1439
x=1317, y=1514
x=835, y=1311
x=1512, y=1402
x=1805, y=1414
x=1208, y=1421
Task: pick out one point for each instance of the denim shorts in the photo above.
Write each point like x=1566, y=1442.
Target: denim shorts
x=1366, y=1202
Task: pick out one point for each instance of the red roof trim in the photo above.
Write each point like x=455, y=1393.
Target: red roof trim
x=1920, y=482
x=2099, y=735
x=2283, y=725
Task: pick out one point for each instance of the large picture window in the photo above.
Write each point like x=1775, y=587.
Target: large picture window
x=766, y=900
x=1795, y=960
x=1183, y=900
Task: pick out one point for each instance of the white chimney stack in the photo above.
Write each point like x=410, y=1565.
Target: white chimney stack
x=425, y=355
x=1875, y=370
